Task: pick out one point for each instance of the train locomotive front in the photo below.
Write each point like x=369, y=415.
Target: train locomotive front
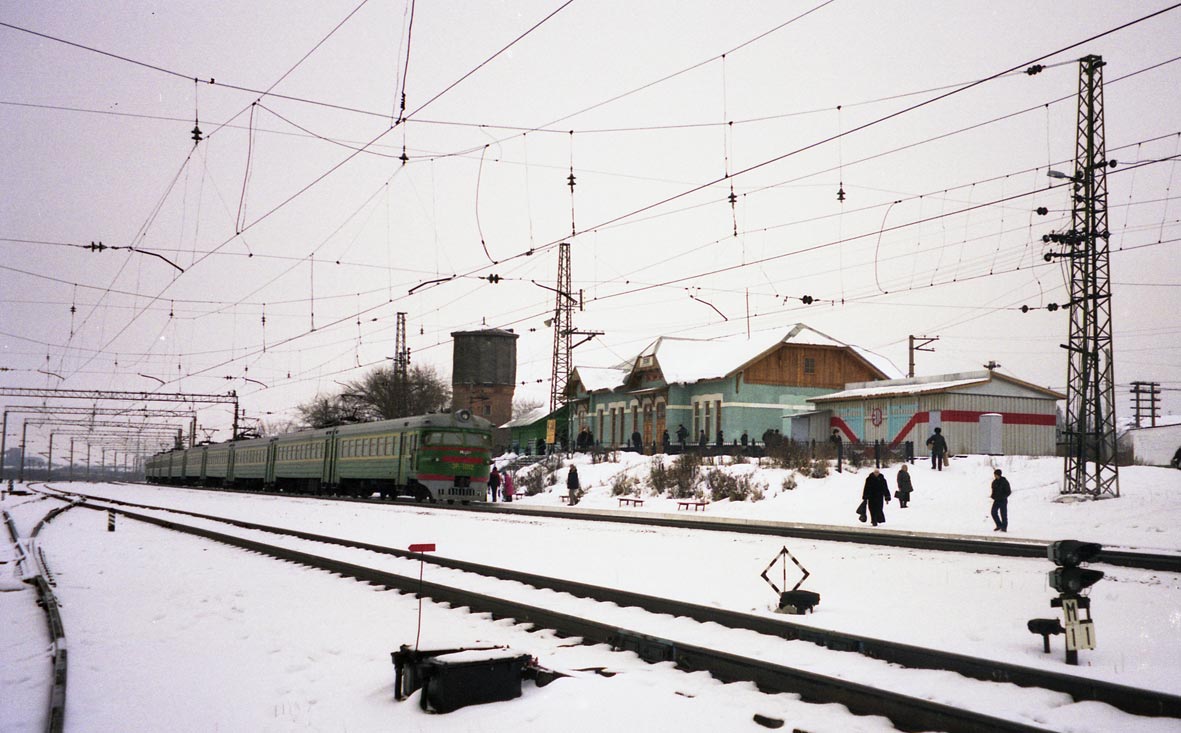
x=453, y=458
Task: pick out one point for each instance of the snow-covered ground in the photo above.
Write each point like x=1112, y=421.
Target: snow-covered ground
x=168, y=632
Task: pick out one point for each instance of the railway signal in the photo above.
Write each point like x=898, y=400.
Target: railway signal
x=1070, y=581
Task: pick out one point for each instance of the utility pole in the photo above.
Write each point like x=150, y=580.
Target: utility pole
x=922, y=341
x=1090, y=466
x=1150, y=392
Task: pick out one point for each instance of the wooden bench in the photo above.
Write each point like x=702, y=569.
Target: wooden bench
x=630, y=501
x=696, y=505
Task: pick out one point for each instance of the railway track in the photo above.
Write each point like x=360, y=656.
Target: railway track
x=1161, y=562
x=1131, y=700
x=32, y=566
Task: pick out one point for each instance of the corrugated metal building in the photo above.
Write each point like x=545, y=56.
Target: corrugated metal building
x=901, y=410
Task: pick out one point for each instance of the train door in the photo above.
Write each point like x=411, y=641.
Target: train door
x=331, y=462
x=269, y=470
x=399, y=464
x=326, y=460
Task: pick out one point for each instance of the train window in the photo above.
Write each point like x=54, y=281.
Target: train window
x=477, y=439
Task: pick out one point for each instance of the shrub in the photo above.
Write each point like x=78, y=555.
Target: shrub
x=624, y=485
x=789, y=483
x=683, y=476
x=658, y=476
x=819, y=469
x=534, y=481
x=722, y=485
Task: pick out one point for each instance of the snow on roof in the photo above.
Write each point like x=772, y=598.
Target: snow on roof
x=527, y=418
x=894, y=388
x=927, y=385
x=594, y=379
x=687, y=360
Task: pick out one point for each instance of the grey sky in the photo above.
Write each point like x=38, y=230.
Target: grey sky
x=97, y=148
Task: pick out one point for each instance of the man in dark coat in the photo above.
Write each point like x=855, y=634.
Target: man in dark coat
x=682, y=434
x=664, y=441
x=637, y=441
x=494, y=482
x=938, y=445
x=745, y=439
x=876, y=494
x=572, y=485
x=1000, y=501
x=701, y=439
x=904, y=486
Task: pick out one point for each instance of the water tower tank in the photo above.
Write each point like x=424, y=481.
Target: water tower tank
x=484, y=373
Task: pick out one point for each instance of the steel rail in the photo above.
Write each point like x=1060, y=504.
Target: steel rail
x=906, y=712
x=1129, y=699
x=1169, y=563
x=56, y=714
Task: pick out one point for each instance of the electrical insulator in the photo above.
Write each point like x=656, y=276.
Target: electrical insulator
x=1042, y=210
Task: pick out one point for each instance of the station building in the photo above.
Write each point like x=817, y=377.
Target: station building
x=706, y=386
x=979, y=412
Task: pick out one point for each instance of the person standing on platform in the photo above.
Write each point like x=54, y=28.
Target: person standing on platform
x=904, y=486
x=509, y=490
x=572, y=485
x=682, y=434
x=665, y=442
x=938, y=445
x=494, y=482
x=1000, y=501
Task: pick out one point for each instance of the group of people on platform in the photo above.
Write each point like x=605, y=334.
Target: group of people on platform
x=876, y=493
x=501, y=484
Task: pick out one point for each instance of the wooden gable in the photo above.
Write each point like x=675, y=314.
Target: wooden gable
x=807, y=365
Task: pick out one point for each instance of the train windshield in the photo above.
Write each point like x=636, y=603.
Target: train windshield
x=479, y=440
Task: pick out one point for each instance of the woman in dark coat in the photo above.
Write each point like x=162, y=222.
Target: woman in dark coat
x=875, y=494
x=904, y=486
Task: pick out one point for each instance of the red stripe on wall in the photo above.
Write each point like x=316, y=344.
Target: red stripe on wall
x=953, y=416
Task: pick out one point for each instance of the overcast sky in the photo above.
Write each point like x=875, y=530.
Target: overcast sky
x=296, y=204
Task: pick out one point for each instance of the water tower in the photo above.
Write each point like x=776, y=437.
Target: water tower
x=484, y=375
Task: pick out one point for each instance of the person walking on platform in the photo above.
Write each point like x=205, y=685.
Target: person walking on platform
x=904, y=486
x=876, y=494
x=938, y=445
x=1000, y=501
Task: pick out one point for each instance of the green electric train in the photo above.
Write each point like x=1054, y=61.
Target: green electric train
x=437, y=457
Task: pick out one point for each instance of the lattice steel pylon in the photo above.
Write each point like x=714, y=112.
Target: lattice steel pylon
x=1090, y=466
x=563, y=325
x=401, y=368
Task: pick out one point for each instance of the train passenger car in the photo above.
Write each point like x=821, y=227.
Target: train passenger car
x=302, y=461
x=153, y=467
x=442, y=457
x=194, y=465
x=175, y=473
x=217, y=464
x=251, y=463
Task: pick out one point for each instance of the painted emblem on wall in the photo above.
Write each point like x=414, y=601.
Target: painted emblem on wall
x=875, y=417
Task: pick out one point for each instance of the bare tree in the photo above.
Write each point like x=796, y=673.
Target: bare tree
x=522, y=405
x=379, y=396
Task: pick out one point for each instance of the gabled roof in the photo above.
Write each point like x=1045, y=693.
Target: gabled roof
x=928, y=385
x=687, y=360
x=536, y=415
x=596, y=379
